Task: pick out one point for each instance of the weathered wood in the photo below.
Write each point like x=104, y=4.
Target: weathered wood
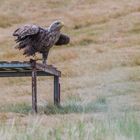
x=48, y=69
x=56, y=91
x=34, y=87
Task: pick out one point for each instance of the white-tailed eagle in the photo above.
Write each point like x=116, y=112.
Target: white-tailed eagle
x=33, y=39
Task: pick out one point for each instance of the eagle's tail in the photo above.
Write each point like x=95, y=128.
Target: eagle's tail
x=22, y=43
x=29, y=51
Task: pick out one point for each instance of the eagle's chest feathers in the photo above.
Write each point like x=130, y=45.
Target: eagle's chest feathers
x=48, y=39
x=53, y=37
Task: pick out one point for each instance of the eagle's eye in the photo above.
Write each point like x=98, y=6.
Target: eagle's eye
x=57, y=23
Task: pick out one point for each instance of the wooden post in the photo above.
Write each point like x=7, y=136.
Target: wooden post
x=34, y=87
x=56, y=90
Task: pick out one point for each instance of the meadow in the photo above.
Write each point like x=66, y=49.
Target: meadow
x=100, y=98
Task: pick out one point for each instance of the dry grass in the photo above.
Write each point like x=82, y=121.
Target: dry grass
x=7, y=20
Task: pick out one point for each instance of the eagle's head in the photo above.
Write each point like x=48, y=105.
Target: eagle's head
x=56, y=26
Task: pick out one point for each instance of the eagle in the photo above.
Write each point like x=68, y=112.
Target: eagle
x=35, y=39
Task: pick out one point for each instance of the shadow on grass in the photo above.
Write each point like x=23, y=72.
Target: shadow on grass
x=76, y=108
x=100, y=105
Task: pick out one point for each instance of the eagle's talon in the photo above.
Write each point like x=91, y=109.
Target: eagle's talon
x=44, y=62
x=37, y=59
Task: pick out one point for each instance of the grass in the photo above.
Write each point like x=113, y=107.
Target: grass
x=22, y=108
x=135, y=29
x=76, y=108
x=126, y=127
x=7, y=21
x=136, y=61
x=130, y=127
x=99, y=105
x=100, y=72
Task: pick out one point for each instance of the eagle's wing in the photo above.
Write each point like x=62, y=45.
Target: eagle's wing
x=25, y=35
x=26, y=30
x=63, y=40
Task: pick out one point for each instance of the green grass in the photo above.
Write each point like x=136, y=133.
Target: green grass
x=22, y=108
x=99, y=105
x=126, y=127
x=130, y=127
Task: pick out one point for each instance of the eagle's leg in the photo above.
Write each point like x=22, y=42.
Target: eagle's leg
x=44, y=61
x=45, y=56
x=35, y=56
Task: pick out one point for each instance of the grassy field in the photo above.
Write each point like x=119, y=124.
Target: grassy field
x=100, y=81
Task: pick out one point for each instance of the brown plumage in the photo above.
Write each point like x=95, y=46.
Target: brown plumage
x=33, y=39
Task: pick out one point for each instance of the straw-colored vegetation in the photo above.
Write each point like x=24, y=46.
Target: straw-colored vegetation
x=100, y=72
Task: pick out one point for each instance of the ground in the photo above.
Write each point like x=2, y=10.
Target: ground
x=100, y=72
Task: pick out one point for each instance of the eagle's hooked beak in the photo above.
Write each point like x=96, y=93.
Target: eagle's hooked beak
x=61, y=24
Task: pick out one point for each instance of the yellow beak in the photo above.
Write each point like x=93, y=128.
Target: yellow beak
x=61, y=24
